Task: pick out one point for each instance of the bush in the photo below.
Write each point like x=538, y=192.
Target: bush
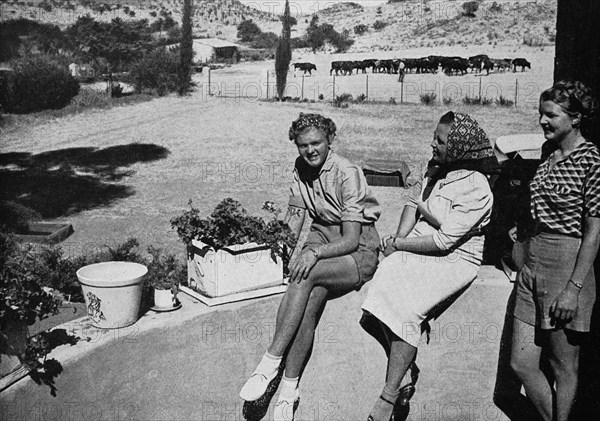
x=16, y=217
x=360, y=29
x=447, y=100
x=341, y=101
x=379, y=25
x=428, y=98
x=392, y=101
x=157, y=71
x=247, y=31
x=36, y=84
x=361, y=98
x=265, y=40
x=467, y=100
x=469, y=8
x=504, y=102
x=486, y=101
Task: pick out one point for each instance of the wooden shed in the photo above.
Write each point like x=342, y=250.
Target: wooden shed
x=213, y=50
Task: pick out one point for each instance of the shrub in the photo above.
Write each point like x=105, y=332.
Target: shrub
x=428, y=98
x=248, y=30
x=265, y=40
x=392, y=101
x=16, y=217
x=36, y=84
x=360, y=29
x=321, y=97
x=467, y=100
x=469, y=8
x=361, y=98
x=379, y=25
x=447, y=100
x=504, y=102
x=341, y=101
x=486, y=101
x=157, y=71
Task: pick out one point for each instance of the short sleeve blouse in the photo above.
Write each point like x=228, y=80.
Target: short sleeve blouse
x=338, y=193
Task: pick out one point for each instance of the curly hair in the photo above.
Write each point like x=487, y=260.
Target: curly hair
x=576, y=99
x=312, y=120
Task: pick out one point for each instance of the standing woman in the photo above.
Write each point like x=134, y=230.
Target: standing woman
x=340, y=254
x=556, y=287
x=436, y=252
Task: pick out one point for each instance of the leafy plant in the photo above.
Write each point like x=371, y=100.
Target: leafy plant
x=230, y=224
x=504, y=102
x=428, y=98
x=379, y=25
x=36, y=84
x=164, y=270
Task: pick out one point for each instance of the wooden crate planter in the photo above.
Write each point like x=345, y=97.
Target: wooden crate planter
x=232, y=270
x=45, y=233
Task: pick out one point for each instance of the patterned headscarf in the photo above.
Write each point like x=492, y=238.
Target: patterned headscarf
x=312, y=120
x=468, y=148
x=467, y=140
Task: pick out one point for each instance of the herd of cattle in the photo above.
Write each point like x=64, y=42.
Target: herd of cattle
x=430, y=64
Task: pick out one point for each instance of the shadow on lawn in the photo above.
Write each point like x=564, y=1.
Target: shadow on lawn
x=65, y=181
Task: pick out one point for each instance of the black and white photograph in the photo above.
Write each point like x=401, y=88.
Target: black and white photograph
x=299, y=210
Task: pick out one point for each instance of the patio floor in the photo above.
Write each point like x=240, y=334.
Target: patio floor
x=190, y=364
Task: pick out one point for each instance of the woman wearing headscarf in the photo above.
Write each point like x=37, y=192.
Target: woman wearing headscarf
x=339, y=255
x=556, y=288
x=435, y=253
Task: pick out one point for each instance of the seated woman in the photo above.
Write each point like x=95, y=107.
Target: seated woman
x=436, y=252
x=340, y=254
x=556, y=288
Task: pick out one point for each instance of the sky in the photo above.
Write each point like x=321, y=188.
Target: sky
x=304, y=7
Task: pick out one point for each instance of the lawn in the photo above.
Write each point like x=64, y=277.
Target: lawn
x=124, y=172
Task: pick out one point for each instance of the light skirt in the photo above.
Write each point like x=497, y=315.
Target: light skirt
x=408, y=288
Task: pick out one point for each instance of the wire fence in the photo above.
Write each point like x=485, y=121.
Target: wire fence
x=506, y=89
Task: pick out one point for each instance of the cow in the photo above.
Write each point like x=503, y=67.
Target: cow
x=454, y=65
x=481, y=62
x=522, y=63
x=372, y=63
x=360, y=65
x=305, y=67
x=345, y=67
x=501, y=64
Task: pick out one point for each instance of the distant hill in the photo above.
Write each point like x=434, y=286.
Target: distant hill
x=402, y=24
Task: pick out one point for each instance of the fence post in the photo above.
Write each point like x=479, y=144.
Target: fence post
x=367, y=98
x=401, y=92
x=479, y=89
x=333, y=99
x=516, y=91
x=267, y=85
x=209, y=94
x=302, y=91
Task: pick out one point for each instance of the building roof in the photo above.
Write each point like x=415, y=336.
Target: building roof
x=215, y=42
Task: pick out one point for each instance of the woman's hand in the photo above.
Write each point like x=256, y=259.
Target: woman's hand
x=564, y=308
x=302, y=265
x=387, y=245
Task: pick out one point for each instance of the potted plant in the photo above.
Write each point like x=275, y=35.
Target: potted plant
x=232, y=251
x=164, y=275
x=22, y=301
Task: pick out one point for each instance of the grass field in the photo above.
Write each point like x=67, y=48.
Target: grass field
x=124, y=172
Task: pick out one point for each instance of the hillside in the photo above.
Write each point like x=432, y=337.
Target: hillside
x=404, y=24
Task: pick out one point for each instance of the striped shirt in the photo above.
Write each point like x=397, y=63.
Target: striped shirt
x=338, y=193
x=562, y=196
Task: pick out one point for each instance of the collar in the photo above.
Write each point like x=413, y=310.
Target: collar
x=580, y=151
x=329, y=161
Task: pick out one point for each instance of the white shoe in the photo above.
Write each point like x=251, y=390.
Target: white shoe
x=285, y=409
x=256, y=385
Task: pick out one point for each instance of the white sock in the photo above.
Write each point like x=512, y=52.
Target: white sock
x=288, y=387
x=269, y=364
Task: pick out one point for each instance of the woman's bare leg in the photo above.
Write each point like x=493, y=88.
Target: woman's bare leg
x=564, y=360
x=337, y=275
x=401, y=355
x=301, y=347
x=525, y=361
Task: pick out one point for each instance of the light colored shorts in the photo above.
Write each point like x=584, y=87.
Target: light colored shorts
x=548, y=267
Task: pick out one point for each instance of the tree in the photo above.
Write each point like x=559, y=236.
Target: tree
x=469, y=8
x=283, y=54
x=186, y=49
x=247, y=31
